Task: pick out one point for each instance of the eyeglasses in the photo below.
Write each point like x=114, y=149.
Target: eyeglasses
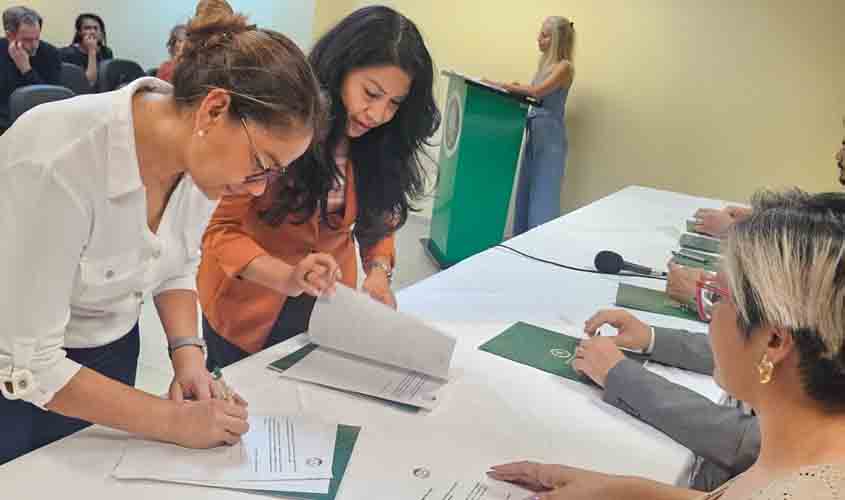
x=708, y=293
x=267, y=174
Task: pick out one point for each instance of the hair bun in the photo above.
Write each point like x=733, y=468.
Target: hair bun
x=215, y=20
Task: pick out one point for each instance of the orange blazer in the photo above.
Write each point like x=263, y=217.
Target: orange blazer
x=243, y=312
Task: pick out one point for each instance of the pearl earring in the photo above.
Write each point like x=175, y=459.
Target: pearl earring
x=201, y=133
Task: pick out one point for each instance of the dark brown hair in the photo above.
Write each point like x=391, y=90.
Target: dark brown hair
x=266, y=74
x=389, y=175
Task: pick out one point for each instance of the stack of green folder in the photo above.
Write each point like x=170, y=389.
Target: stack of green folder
x=700, y=242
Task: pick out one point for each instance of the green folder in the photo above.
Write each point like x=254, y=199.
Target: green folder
x=654, y=301
x=545, y=350
x=700, y=242
x=344, y=444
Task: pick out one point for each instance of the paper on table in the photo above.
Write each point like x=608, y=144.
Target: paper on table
x=353, y=323
x=315, y=486
x=275, y=448
x=471, y=490
x=335, y=369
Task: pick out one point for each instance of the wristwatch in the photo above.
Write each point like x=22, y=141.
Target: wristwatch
x=178, y=342
x=381, y=265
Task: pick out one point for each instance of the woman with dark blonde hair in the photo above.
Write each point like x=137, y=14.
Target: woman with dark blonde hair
x=546, y=145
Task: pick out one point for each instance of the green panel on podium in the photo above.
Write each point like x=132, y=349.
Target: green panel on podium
x=478, y=159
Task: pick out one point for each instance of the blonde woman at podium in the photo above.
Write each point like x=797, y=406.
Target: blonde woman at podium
x=544, y=153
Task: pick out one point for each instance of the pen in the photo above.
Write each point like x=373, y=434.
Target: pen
x=217, y=375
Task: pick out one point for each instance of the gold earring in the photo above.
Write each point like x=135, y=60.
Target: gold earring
x=766, y=369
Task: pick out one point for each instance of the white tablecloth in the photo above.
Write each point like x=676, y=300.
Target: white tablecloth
x=493, y=411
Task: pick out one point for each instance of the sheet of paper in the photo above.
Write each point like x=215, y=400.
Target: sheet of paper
x=275, y=448
x=351, y=373
x=470, y=490
x=353, y=323
x=317, y=486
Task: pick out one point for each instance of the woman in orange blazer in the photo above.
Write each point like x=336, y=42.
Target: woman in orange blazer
x=265, y=259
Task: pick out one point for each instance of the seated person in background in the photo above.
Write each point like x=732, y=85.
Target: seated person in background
x=174, y=48
x=88, y=48
x=777, y=313
x=682, y=280
x=24, y=58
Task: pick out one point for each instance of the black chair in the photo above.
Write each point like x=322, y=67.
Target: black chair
x=73, y=77
x=26, y=98
x=116, y=73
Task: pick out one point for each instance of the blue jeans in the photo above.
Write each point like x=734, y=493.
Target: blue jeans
x=25, y=427
x=541, y=173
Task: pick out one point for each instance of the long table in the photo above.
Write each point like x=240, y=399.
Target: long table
x=493, y=410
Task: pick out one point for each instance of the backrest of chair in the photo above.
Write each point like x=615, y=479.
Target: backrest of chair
x=73, y=77
x=116, y=73
x=26, y=98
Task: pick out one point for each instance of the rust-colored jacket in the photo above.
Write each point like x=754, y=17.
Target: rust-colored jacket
x=243, y=312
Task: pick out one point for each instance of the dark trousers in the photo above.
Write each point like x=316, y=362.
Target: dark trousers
x=292, y=320
x=25, y=427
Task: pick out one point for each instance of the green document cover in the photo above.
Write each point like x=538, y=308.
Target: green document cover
x=654, y=301
x=545, y=350
x=344, y=444
x=700, y=242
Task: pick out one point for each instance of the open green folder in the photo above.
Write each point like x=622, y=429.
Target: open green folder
x=545, y=350
x=654, y=301
x=344, y=444
x=700, y=242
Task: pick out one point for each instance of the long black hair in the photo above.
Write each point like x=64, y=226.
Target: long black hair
x=77, y=38
x=388, y=172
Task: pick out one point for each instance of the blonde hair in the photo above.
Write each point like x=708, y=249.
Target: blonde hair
x=560, y=48
x=785, y=269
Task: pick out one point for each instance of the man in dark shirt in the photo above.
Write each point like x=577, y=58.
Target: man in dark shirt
x=24, y=58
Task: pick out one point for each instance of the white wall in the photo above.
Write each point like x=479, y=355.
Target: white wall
x=138, y=30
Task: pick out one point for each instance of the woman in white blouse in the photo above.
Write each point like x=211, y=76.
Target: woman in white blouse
x=104, y=198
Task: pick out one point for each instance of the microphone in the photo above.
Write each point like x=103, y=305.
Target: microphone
x=608, y=262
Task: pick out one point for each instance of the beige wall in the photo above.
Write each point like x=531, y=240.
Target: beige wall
x=713, y=98
x=138, y=30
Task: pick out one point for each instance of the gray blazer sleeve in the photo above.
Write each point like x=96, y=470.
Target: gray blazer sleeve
x=725, y=436
x=683, y=349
